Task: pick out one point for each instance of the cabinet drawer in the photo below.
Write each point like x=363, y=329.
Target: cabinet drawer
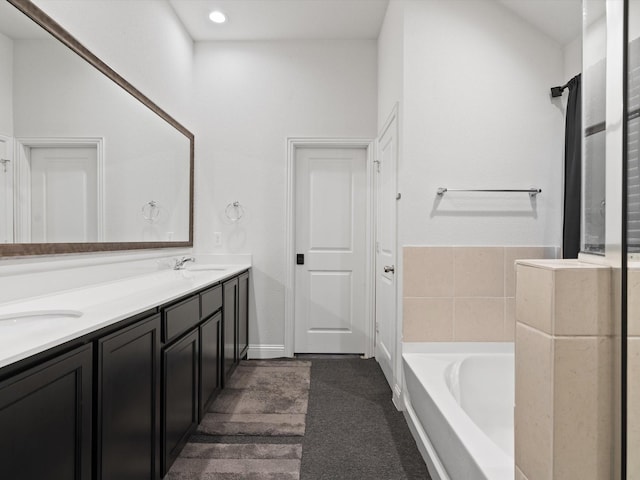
x=211, y=301
x=179, y=318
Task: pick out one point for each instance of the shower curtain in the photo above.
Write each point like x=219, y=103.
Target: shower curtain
x=572, y=171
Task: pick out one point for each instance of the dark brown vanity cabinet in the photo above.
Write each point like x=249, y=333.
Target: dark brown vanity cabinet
x=243, y=315
x=229, y=311
x=235, y=316
x=180, y=367
x=209, y=361
x=180, y=395
x=191, y=367
x=45, y=420
x=128, y=403
x=210, y=346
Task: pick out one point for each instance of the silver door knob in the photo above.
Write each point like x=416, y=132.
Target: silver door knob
x=389, y=268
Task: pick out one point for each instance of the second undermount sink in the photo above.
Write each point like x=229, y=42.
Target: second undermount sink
x=207, y=268
x=29, y=316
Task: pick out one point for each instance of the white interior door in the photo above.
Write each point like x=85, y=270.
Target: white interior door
x=6, y=190
x=64, y=206
x=330, y=218
x=386, y=191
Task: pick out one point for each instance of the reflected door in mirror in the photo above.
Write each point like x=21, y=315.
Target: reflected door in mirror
x=63, y=186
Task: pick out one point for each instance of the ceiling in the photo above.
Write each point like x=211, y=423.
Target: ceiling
x=282, y=19
x=559, y=19
x=343, y=19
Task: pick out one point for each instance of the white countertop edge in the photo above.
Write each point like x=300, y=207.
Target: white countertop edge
x=97, y=316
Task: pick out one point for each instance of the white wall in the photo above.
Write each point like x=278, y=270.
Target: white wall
x=478, y=114
x=391, y=61
x=573, y=58
x=6, y=86
x=250, y=97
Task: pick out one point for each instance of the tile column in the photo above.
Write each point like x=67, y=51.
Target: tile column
x=563, y=370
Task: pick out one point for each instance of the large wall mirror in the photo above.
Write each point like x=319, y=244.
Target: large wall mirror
x=87, y=162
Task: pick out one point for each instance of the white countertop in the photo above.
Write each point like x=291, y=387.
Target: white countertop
x=101, y=305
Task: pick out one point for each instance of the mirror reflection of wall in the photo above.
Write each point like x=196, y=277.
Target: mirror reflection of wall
x=83, y=156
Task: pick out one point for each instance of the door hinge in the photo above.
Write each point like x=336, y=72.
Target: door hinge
x=377, y=327
x=4, y=162
x=377, y=163
x=377, y=247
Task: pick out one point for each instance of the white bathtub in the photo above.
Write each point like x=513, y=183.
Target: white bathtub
x=459, y=401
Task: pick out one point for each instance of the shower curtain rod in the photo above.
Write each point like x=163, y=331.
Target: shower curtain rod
x=557, y=91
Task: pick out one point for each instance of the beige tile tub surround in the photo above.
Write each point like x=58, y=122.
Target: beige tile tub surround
x=478, y=272
x=564, y=297
x=479, y=319
x=426, y=319
x=633, y=302
x=534, y=403
x=428, y=272
x=633, y=402
x=463, y=294
x=633, y=378
x=563, y=370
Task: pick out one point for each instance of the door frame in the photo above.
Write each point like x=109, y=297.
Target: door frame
x=9, y=166
x=396, y=382
x=293, y=143
x=22, y=178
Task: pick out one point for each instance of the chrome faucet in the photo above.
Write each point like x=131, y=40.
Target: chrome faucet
x=179, y=262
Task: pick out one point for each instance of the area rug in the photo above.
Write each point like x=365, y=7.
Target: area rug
x=250, y=429
x=237, y=461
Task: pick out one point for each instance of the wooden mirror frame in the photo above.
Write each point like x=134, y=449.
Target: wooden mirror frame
x=27, y=249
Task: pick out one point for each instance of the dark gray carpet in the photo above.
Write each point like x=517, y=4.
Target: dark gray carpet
x=353, y=430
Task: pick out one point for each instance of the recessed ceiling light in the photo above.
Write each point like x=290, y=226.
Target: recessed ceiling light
x=217, y=17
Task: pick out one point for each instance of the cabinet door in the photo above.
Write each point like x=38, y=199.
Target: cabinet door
x=180, y=393
x=209, y=361
x=45, y=420
x=229, y=312
x=129, y=403
x=243, y=315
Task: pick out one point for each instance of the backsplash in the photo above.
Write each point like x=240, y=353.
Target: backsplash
x=462, y=294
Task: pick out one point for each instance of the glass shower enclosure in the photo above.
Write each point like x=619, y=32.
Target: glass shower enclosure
x=611, y=201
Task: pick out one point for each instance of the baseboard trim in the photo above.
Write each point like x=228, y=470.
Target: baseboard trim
x=397, y=398
x=265, y=351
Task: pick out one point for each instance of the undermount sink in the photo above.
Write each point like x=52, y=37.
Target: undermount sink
x=207, y=268
x=37, y=315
